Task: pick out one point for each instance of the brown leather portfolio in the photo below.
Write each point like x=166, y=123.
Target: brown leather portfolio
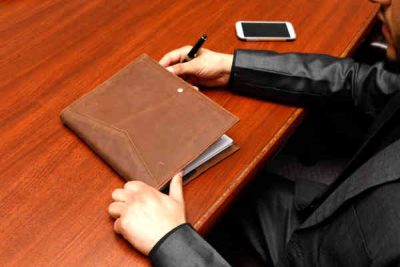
x=146, y=123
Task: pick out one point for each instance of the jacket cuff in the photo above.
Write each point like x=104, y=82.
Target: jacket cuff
x=233, y=69
x=242, y=58
x=183, y=246
x=164, y=238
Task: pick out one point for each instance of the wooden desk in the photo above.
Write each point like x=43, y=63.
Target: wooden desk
x=54, y=191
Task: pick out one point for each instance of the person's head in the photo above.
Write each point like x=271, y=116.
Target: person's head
x=390, y=16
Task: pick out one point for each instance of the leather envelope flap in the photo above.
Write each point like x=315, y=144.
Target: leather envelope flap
x=147, y=123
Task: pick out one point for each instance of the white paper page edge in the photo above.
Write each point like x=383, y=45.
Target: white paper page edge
x=220, y=145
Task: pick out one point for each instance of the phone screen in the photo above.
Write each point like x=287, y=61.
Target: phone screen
x=265, y=30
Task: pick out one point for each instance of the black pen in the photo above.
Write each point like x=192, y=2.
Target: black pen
x=192, y=53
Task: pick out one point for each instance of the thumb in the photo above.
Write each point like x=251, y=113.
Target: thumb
x=187, y=68
x=175, y=188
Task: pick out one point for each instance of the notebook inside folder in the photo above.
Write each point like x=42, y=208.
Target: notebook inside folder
x=148, y=124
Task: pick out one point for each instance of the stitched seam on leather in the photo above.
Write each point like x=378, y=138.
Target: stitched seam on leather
x=289, y=76
x=123, y=132
x=270, y=71
x=284, y=90
x=139, y=154
x=369, y=253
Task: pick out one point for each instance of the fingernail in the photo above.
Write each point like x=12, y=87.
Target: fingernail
x=170, y=69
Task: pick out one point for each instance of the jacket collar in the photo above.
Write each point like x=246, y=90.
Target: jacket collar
x=352, y=181
x=382, y=168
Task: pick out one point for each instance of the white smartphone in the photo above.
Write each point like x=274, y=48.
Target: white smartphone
x=265, y=30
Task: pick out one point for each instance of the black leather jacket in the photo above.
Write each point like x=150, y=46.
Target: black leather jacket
x=313, y=80
x=302, y=80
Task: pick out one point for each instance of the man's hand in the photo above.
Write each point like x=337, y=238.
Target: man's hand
x=144, y=215
x=208, y=68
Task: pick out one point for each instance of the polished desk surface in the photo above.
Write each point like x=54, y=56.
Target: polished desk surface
x=54, y=190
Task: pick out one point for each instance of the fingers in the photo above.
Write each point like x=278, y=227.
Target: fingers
x=187, y=68
x=176, y=188
x=116, y=209
x=118, y=226
x=121, y=195
x=136, y=186
x=175, y=56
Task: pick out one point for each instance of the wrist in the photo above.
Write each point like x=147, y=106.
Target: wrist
x=227, y=63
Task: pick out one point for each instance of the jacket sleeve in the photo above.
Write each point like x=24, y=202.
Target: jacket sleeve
x=313, y=80
x=184, y=247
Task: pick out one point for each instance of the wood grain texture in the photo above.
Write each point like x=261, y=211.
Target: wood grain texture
x=54, y=191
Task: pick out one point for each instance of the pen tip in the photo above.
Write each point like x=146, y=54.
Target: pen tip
x=204, y=36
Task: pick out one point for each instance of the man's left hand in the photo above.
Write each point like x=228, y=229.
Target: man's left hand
x=144, y=215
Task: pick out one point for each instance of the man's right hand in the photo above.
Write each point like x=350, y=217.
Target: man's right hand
x=208, y=68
